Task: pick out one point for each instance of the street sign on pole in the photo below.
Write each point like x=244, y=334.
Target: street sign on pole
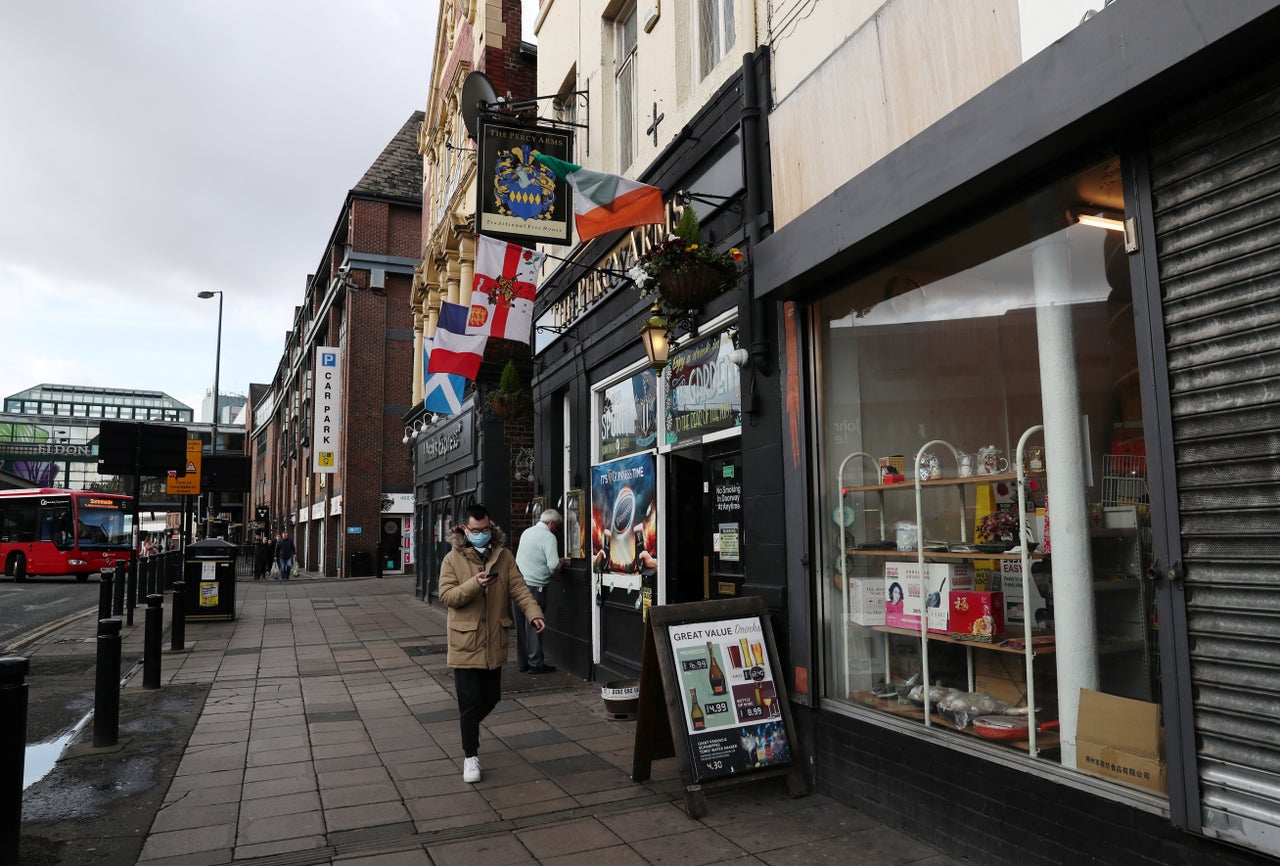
x=188, y=484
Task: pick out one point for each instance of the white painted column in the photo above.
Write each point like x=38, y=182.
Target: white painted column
x=1076, y=645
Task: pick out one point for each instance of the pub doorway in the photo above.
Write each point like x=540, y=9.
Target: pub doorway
x=705, y=527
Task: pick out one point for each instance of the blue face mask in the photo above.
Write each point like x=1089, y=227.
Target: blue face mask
x=479, y=540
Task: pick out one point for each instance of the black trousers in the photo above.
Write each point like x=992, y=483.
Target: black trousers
x=478, y=693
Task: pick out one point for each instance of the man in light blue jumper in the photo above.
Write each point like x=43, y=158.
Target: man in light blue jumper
x=537, y=558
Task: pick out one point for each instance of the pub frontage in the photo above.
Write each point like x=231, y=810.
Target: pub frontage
x=659, y=472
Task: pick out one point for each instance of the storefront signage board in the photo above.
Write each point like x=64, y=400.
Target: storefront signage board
x=518, y=199
x=629, y=415
x=704, y=390
x=712, y=695
x=447, y=448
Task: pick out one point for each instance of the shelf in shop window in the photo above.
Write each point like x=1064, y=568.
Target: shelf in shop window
x=912, y=555
x=974, y=644
x=909, y=484
x=1045, y=740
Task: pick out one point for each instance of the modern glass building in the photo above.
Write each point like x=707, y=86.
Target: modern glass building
x=49, y=436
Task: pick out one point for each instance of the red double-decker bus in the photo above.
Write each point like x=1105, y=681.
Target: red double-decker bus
x=45, y=530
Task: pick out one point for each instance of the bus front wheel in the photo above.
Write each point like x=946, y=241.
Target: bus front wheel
x=17, y=567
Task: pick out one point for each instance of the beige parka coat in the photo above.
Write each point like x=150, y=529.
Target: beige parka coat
x=480, y=616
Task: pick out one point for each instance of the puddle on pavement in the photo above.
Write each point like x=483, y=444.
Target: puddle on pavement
x=40, y=758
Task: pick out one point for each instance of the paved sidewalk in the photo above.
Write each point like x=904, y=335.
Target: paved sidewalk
x=330, y=736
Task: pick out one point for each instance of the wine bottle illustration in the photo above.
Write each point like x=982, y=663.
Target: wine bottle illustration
x=696, y=715
x=715, y=672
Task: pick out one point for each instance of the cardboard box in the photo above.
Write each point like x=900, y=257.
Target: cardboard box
x=1011, y=586
x=865, y=660
x=942, y=579
x=1121, y=739
x=866, y=600
x=977, y=616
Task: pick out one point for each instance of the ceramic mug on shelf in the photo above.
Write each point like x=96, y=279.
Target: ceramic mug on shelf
x=990, y=462
x=965, y=462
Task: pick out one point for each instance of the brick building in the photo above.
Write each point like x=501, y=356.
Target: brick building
x=327, y=462
x=472, y=456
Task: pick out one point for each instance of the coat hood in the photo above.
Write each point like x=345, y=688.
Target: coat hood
x=458, y=537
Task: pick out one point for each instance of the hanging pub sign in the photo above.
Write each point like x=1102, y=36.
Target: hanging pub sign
x=517, y=199
x=704, y=390
x=629, y=415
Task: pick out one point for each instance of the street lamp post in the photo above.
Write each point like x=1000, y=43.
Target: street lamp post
x=217, y=370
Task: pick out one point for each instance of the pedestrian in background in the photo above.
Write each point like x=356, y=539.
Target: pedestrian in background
x=477, y=580
x=285, y=552
x=538, y=558
x=264, y=551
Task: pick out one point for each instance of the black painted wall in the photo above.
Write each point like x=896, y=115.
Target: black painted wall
x=993, y=813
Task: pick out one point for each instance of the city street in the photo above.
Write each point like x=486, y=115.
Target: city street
x=28, y=608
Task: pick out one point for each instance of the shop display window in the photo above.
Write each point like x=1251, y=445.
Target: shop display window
x=979, y=417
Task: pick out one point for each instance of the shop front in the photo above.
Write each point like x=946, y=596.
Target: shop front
x=662, y=462
x=459, y=461
x=1029, y=422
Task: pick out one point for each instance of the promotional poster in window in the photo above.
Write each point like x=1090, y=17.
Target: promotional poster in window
x=624, y=515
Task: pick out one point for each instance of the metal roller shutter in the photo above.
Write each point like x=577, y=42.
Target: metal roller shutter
x=1215, y=179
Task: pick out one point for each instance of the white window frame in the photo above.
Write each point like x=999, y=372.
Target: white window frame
x=723, y=37
x=625, y=66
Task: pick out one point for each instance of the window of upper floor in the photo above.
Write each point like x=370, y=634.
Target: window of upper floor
x=625, y=102
x=714, y=33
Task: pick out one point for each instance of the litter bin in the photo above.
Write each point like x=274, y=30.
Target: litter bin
x=360, y=564
x=389, y=554
x=209, y=570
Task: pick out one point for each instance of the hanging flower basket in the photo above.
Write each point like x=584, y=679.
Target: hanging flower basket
x=509, y=405
x=691, y=287
x=688, y=274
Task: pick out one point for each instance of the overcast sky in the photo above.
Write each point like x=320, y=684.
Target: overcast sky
x=152, y=149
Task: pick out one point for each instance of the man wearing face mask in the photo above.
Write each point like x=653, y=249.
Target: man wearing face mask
x=477, y=580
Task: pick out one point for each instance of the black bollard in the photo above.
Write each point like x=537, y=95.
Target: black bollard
x=104, y=592
x=152, y=643
x=13, y=750
x=178, y=619
x=106, y=695
x=131, y=593
x=117, y=600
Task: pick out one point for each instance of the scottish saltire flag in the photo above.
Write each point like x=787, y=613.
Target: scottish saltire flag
x=455, y=351
x=604, y=202
x=443, y=391
x=502, y=293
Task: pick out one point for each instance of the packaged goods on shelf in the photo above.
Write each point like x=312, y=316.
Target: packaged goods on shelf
x=866, y=600
x=976, y=616
x=917, y=593
x=1011, y=586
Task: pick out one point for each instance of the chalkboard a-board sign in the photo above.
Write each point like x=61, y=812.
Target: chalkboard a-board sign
x=712, y=695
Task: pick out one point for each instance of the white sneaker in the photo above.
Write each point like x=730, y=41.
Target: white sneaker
x=471, y=769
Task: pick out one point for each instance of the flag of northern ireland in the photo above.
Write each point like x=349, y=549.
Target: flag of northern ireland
x=502, y=293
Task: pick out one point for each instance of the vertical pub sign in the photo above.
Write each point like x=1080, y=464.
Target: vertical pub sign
x=517, y=199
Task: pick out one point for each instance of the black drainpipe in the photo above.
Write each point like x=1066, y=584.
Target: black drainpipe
x=755, y=217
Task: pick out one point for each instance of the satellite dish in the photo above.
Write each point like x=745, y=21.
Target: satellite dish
x=477, y=89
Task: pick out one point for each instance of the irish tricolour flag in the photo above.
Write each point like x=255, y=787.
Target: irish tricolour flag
x=602, y=202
